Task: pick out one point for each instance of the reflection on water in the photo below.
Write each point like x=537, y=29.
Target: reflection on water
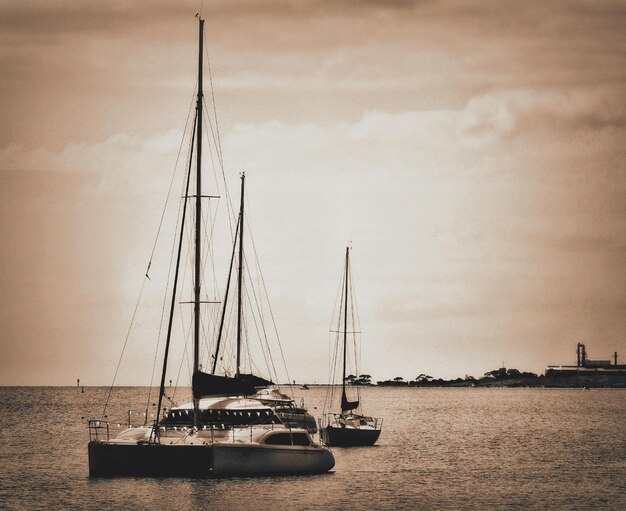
x=439, y=449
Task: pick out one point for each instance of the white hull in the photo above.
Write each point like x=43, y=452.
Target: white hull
x=238, y=452
x=254, y=459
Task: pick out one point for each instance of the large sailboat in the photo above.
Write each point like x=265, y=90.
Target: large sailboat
x=231, y=426
x=348, y=427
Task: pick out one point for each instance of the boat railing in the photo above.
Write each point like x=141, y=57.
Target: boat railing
x=212, y=428
x=329, y=418
x=97, y=429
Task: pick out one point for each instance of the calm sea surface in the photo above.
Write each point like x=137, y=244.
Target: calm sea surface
x=439, y=449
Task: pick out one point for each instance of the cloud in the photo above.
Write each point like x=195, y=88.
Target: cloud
x=65, y=18
x=122, y=159
x=80, y=71
x=434, y=139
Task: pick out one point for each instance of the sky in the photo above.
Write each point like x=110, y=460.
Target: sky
x=471, y=153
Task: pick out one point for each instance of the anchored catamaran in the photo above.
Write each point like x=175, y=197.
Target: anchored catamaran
x=233, y=425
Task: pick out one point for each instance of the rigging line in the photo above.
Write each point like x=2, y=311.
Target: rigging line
x=230, y=349
x=245, y=326
x=246, y=340
x=219, y=334
x=156, y=351
x=149, y=263
x=269, y=306
x=330, y=396
x=208, y=242
x=336, y=315
x=209, y=255
x=259, y=302
x=356, y=323
x=185, y=355
x=181, y=211
x=206, y=331
x=253, y=301
x=106, y=403
x=267, y=355
x=230, y=211
x=213, y=137
x=169, y=190
x=209, y=237
x=338, y=338
x=213, y=147
x=188, y=340
x=217, y=128
x=333, y=343
x=210, y=326
x=187, y=266
x=229, y=203
x=179, y=246
x=185, y=344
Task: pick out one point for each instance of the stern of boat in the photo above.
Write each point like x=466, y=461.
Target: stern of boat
x=337, y=430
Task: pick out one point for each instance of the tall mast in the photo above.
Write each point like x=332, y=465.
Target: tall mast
x=198, y=240
x=345, y=320
x=240, y=276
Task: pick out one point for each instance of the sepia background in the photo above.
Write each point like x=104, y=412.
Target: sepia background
x=471, y=152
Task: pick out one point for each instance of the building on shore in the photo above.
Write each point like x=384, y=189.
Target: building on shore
x=586, y=366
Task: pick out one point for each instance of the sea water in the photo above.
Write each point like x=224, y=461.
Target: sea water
x=440, y=448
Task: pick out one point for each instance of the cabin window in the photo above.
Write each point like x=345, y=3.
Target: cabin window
x=286, y=439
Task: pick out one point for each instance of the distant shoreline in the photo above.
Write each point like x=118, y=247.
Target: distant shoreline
x=617, y=381
x=569, y=381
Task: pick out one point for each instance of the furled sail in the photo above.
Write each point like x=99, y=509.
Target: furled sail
x=346, y=405
x=205, y=385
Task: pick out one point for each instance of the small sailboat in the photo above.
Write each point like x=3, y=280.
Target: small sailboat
x=348, y=428
x=231, y=426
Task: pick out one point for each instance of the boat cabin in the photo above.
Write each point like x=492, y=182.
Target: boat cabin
x=286, y=438
x=184, y=417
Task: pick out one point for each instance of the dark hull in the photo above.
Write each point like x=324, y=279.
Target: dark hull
x=149, y=459
x=212, y=460
x=349, y=437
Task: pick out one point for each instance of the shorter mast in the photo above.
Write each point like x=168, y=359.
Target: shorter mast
x=240, y=277
x=346, y=405
x=345, y=326
x=221, y=329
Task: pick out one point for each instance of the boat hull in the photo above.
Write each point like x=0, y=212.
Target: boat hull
x=349, y=437
x=254, y=459
x=209, y=460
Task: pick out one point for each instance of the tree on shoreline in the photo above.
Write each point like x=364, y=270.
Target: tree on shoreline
x=503, y=373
